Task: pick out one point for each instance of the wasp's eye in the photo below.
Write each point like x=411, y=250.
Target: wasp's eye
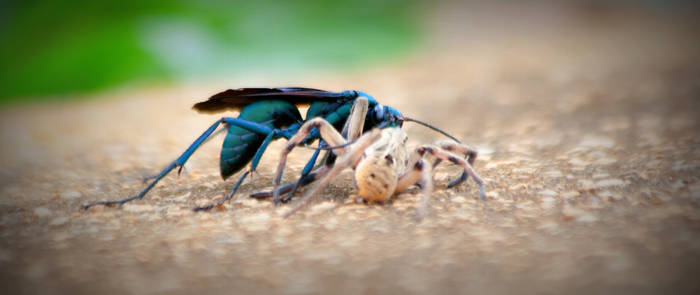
x=379, y=112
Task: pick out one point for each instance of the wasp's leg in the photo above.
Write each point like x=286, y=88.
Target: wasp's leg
x=228, y=196
x=182, y=159
x=304, y=178
x=253, y=166
x=345, y=160
x=311, y=177
x=457, y=181
x=284, y=189
x=214, y=134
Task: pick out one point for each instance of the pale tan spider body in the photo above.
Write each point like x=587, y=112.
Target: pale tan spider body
x=377, y=173
x=380, y=159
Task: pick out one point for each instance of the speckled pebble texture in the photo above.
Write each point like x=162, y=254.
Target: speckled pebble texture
x=587, y=127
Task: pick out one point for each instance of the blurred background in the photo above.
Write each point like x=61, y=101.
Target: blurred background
x=55, y=49
x=50, y=49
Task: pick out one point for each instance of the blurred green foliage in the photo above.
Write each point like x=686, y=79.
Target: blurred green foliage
x=76, y=46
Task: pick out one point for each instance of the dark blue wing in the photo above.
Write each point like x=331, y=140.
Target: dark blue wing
x=236, y=99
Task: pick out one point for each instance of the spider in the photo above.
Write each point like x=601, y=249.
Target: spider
x=380, y=159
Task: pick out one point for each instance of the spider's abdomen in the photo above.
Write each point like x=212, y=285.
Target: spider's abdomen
x=376, y=181
x=376, y=176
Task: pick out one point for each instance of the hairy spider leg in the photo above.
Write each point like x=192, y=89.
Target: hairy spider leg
x=328, y=133
x=346, y=159
x=445, y=155
x=182, y=159
x=422, y=162
x=461, y=149
x=352, y=129
x=469, y=153
x=420, y=171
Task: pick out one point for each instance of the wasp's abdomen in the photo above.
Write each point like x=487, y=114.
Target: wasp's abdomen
x=240, y=144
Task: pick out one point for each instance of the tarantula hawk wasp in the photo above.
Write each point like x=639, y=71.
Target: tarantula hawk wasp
x=267, y=114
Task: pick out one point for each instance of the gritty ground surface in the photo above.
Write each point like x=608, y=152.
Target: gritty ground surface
x=587, y=123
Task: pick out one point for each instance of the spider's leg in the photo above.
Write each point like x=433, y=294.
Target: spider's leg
x=468, y=152
x=328, y=134
x=356, y=120
x=420, y=172
x=448, y=156
x=348, y=159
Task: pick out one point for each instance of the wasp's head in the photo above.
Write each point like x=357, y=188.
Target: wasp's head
x=385, y=116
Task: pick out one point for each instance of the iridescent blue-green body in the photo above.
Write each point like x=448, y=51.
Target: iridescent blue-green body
x=240, y=144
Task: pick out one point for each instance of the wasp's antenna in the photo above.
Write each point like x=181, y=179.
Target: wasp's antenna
x=431, y=127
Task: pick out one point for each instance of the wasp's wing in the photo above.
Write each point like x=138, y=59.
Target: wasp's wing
x=235, y=99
